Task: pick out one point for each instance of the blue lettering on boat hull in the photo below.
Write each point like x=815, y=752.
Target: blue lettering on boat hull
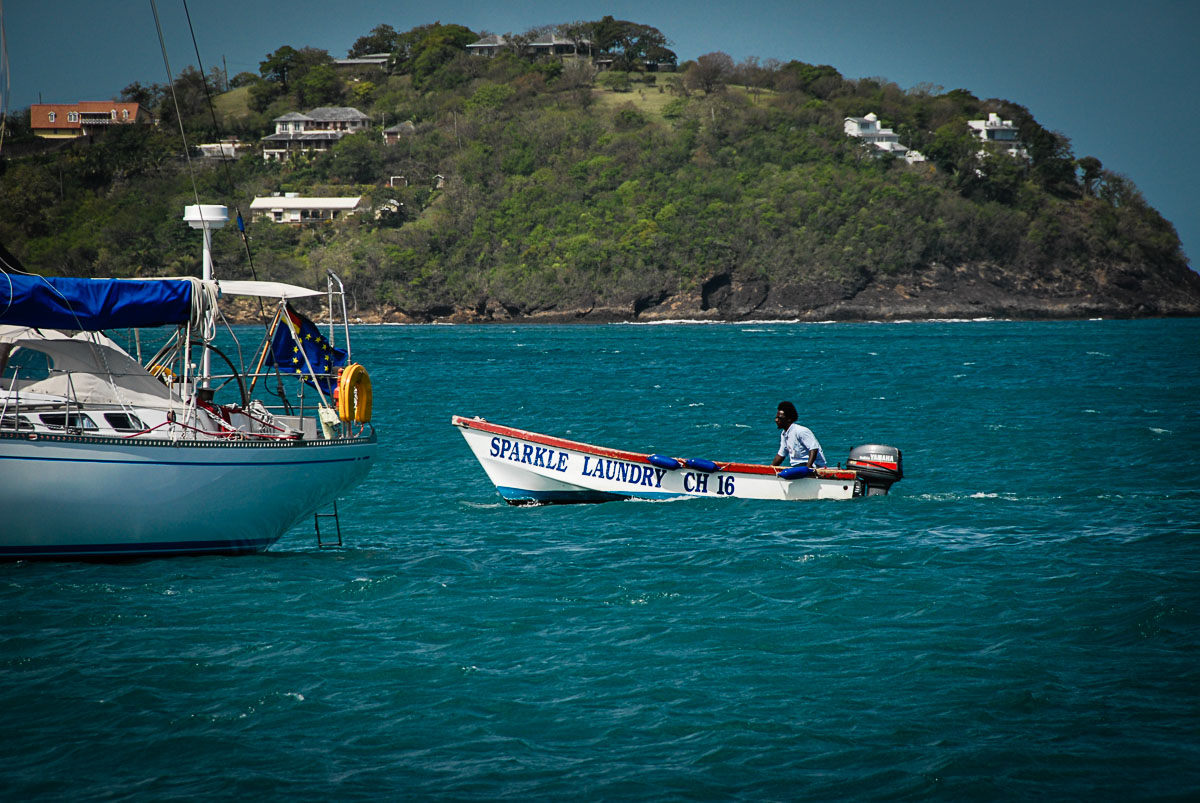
x=539, y=456
x=617, y=471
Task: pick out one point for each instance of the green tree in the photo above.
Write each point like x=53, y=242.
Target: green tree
x=27, y=193
x=357, y=159
x=263, y=93
x=615, y=80
x=1091, y=171
x=127, y=151
x=381, y=39
x=441, y=45
x=631, y=44
x=491, y=96
x=1049, y=152
x=421, y=50
x=710, y=72
x=952, y=148
x=189, y=97
x=320, y=86
x=818, y=80
x=147, y=97
x=243, y=79
x=278, y=66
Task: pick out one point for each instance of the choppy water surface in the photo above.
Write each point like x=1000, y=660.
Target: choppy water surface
x=1019, y=618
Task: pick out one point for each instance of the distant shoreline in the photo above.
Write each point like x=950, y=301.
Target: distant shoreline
x=379, y=319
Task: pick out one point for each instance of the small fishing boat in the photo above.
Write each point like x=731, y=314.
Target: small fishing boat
x=528, y=468
x=102, y=456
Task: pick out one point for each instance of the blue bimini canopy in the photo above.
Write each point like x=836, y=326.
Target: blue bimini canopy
x=93, y=304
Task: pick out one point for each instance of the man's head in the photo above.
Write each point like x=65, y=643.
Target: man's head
x=786, y=415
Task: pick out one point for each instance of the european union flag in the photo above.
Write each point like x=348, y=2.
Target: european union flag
x=288, y=355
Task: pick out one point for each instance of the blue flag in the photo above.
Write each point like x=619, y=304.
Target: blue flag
x=288, y=355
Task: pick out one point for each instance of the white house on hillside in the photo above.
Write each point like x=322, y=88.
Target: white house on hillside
x=317, y=131
x=291, y=208
x=489, y=46
x=884, y=139
x=378, y=61
x=548, y=44
x=1002, y=134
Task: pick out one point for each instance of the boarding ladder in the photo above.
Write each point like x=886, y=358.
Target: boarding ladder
x=337, y=523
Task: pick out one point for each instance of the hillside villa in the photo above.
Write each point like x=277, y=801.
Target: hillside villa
x=69, y=120
x=550, y=44
x=1001, y=134
x=315, y=131
x=368, y=61
x=545, y=45
x=883, y=139
x=291, y=208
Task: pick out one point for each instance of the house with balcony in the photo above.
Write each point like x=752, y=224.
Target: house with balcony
x=367, y=61
x=70, y=120
x=882, y=139
x=290, y=207
x=553, y=45
x=488, y=46
x=1001, y=135
x=548, y=44
x=314, y=131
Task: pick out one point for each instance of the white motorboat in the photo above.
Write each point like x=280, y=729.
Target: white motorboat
x=101, y=456
x=530, y=468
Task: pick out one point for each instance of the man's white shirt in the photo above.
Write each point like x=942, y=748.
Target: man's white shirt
x=796, y=442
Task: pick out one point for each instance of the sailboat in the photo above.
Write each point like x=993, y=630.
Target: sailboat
x=104, y=456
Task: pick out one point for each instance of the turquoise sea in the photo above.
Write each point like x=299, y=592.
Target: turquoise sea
x=1019, y=619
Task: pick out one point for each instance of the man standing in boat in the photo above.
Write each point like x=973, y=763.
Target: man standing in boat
x=796, y=442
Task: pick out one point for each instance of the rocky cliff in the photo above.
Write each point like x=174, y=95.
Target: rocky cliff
x=977, y=290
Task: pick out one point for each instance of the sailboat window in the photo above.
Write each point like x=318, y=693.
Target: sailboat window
x=28, y=365
x=124, y=422
x=68, y=421
x=18, y=422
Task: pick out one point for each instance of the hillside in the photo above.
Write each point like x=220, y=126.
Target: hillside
x=540, y=190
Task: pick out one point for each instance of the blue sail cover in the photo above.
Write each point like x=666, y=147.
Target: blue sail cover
x=92, y=304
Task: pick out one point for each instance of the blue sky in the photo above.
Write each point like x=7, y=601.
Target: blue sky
x=1118, y=78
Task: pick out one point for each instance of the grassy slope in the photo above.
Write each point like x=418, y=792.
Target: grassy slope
x=233, y=104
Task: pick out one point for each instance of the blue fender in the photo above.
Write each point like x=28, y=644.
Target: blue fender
x=662, y=461
x=700, y=464
x=795, y=472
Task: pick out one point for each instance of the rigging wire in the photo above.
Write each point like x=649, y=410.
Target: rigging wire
x=162, y=43
x=241, y=226
x=5, y=87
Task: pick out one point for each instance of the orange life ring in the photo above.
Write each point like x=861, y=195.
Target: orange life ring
x=354, y=394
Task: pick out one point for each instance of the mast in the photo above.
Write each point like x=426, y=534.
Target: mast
x=206, y=217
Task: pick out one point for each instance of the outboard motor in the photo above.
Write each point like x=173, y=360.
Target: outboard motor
x=878, y=466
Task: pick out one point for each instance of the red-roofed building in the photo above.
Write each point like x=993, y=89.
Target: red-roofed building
x=65, y=120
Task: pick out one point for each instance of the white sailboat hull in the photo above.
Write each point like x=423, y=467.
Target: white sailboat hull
x=75, y=496
x=530, y=468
